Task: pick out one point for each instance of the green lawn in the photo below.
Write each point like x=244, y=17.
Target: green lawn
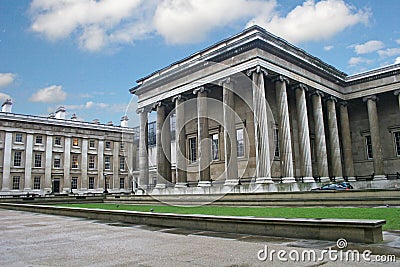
x=391, y=215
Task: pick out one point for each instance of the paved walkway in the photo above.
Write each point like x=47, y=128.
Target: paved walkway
x=30, y=239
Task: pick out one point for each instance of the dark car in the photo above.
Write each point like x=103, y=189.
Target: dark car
x=335, y=186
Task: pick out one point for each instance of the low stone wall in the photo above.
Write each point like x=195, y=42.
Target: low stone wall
x=364, y=231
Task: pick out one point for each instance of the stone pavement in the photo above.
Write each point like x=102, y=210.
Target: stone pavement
x=31, y=239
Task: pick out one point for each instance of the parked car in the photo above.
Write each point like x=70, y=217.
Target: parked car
x=335, y=186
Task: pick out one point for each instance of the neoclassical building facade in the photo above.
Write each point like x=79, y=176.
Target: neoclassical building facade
x=56, y=155
x=254, y=106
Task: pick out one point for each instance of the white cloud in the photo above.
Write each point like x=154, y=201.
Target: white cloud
x=398, y=41
x=6, y=79
x=368, y=47
x=49, y=94
x=188, y=21
x=359, y=60
x=397, y=60
x=313, y=21
x=95, y=23
x=328, y=47
x=389, y=52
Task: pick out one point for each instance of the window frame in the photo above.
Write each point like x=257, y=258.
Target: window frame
x=369, y=152
x=37, y=182
x=37, y=163
x=57, y=141
x=122, y=163
x=192, y=149
x=75, y=142
x=74, y=161
x=19, y=159
x=215, y=151
x=19, y=138
x=240, y=144
x=396, y=141
x=74, y=183
x=91, y=182
x=107, y=162
x=92, y=162
x=16, y=182
x=122, y=183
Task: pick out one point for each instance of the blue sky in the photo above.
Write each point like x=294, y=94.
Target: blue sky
x=86, y=54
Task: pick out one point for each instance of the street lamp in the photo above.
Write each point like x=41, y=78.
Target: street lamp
x=105, y=184
x=71, y=187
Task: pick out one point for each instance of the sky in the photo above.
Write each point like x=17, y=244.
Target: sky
x=85, y=55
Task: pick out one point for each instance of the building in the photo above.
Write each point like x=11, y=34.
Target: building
x=42, y=155
x=254, y=106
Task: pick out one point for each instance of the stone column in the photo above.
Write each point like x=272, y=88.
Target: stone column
x=180, y=142
x=67, y=164
x=28, y=161
x=7, y=162
x=49, y=163
x=336, y=159
x=161, y=145
x=397, y=93
x=84, y=165
x=285, y=138
x=230, y=147
x=100, y=165
x=304, y=133
x=320, y=142
x=143, y=154
x=375, y=136
x=114, y=181
x=203, y=139
x=261, y=126
x=346, y=142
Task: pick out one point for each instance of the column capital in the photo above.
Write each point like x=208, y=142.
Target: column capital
x=200, y=89
x=257, y=69
x=226, y=80
x=370, y=97
x=300, y=86
x=178, y=97
x=397, y=92
x=318, y=93
x=281, y=79
x=331, y=98
x=142, y=110
x=343, y=103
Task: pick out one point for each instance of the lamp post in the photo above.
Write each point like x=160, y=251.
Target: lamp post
x=71, y=188
x=105, y=184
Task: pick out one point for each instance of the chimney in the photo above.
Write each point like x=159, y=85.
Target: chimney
x=124, y=121
x=96, y=121
x=110, y=123
x=51, y=116
x=60, y=113
x=7, y=106
x=73, y=117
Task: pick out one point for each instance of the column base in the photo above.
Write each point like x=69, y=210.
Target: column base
x=325, y=179
x=339, y=179
x=204, y=183
x=264, y=180
x=160, y=186
x=379, y=177
x=309, y=179
x=286, y=180
x=181, y=185
x=230, y=182
x=351, y=179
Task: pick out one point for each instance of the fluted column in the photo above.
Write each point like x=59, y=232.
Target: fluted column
x=6, y=185
x=28, y=162
x=204, y=144
x=143, y=155
x=180, y=141
x=48, y=163
x=261, y=129
x=67, y=164
x=397, y=93
x=320, y=142
x=375, y=136
x=84, y=169
x=304, y=133
x=285, y=138
x=230, y=148
x=346, y=141
x=162, y=146
x=336, y=160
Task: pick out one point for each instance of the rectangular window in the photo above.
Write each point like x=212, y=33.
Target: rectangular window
x=38, y=160
x=122, y=146
x=192, y=149
x=75, y=142
x=17, y=158
x=240, y=142
x=122, y=163
x=121, y=183
x=57, y=161
x=92, y=160
x=74, y=183
x=152, y=134
x=368, y=147
x=57, y=141
x=91, y=182
x=39, y=139
x=36, y=182
x=108, y=145
x=91, y=143
x=107, y=161
x=75, y=161
x=16, y=182
x=397, y=143
x=18, y=138
x=173, y=127
x=215, y=147
x=276, y=141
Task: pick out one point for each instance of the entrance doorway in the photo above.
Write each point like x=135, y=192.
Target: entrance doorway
x=56, y=186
